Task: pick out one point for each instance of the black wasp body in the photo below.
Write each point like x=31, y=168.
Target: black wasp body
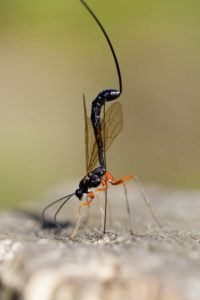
x=104, y=131
x=105, y=96
x=93, y=178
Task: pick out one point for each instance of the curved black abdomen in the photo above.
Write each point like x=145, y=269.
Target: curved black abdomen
x=104, y=96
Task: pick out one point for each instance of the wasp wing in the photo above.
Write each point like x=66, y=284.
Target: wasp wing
x=91, y=150
x=86, y=119
x=111, y=126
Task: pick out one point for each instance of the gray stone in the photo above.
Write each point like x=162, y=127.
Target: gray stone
x=152, y=263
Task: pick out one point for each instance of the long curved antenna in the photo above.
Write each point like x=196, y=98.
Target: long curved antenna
x=109, y=43
x=53, y=203
x=61, y=206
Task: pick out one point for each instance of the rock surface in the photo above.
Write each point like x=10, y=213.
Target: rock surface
x=153, y=263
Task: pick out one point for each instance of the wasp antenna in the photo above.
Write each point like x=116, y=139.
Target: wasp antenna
x=53, y=203
x=61, y=206
x=108, y=41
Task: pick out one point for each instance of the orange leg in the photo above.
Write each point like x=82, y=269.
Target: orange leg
x=114, y=181
x=122, y=180
x=109, y=178
x=87, y=203
x=104, y=186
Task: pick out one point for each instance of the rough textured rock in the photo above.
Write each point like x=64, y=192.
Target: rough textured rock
x=153, y=263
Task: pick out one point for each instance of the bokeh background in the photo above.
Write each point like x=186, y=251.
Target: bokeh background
x=52, y=51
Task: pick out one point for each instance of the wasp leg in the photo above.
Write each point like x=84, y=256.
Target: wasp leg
x=114, y=181
x=87, y=217
x=128, y=208
x=122, y=180
x=90, y=197
x=87, y=203
x=77, y=223
x=104, y=188
x=101, y=212
x=146, y=199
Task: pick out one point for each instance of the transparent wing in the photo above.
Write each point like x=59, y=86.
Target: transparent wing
x=86, y=119
x=111, y=126
x=91, y=151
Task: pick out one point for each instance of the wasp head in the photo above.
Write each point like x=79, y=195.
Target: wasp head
x=79, y=194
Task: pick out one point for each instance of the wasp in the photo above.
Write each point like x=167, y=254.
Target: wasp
x=100, y=133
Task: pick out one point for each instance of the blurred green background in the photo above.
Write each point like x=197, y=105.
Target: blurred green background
x=52, y=51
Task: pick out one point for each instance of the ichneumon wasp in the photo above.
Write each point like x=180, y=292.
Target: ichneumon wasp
x=99, y=135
